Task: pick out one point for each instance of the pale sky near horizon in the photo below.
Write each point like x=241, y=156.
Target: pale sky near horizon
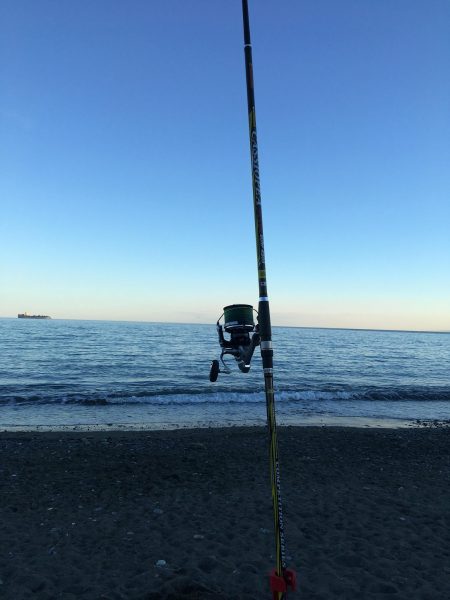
x=125, y=187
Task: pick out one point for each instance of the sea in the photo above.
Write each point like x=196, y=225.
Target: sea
x=68, y=374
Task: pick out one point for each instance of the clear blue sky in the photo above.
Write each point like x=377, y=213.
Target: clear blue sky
x=125, y=189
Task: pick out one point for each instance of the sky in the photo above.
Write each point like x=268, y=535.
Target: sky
x=125, y=185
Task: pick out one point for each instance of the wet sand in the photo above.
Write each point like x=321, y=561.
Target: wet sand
x=92, y=515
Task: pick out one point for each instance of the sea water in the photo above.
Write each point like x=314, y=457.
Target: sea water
x=57, y=373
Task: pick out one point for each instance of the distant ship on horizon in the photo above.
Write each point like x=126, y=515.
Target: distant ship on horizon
x=27, y=316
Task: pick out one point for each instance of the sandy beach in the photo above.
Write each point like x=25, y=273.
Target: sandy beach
x=187, y=513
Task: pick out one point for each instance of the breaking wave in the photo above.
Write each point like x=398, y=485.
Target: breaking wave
x=188, y=397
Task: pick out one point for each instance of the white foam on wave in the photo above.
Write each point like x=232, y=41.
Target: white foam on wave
x=283, y=396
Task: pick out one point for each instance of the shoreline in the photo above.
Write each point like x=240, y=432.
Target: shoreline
x=91, y=514
x=313, y=421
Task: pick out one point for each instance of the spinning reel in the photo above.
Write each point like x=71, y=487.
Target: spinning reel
x=244, y=337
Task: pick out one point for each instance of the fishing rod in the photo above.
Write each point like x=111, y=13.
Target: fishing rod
x=245, y=336
x=280, y=578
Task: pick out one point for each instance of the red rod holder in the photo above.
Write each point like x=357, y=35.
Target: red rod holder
x=280, y=583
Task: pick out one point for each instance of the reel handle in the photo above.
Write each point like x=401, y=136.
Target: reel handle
x=214, y=371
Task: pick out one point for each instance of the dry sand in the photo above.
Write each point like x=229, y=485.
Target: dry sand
x=89, y=515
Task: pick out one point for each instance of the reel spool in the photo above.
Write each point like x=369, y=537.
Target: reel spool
x=244, y=337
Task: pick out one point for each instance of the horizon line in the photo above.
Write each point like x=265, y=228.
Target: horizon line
x=390, y=330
